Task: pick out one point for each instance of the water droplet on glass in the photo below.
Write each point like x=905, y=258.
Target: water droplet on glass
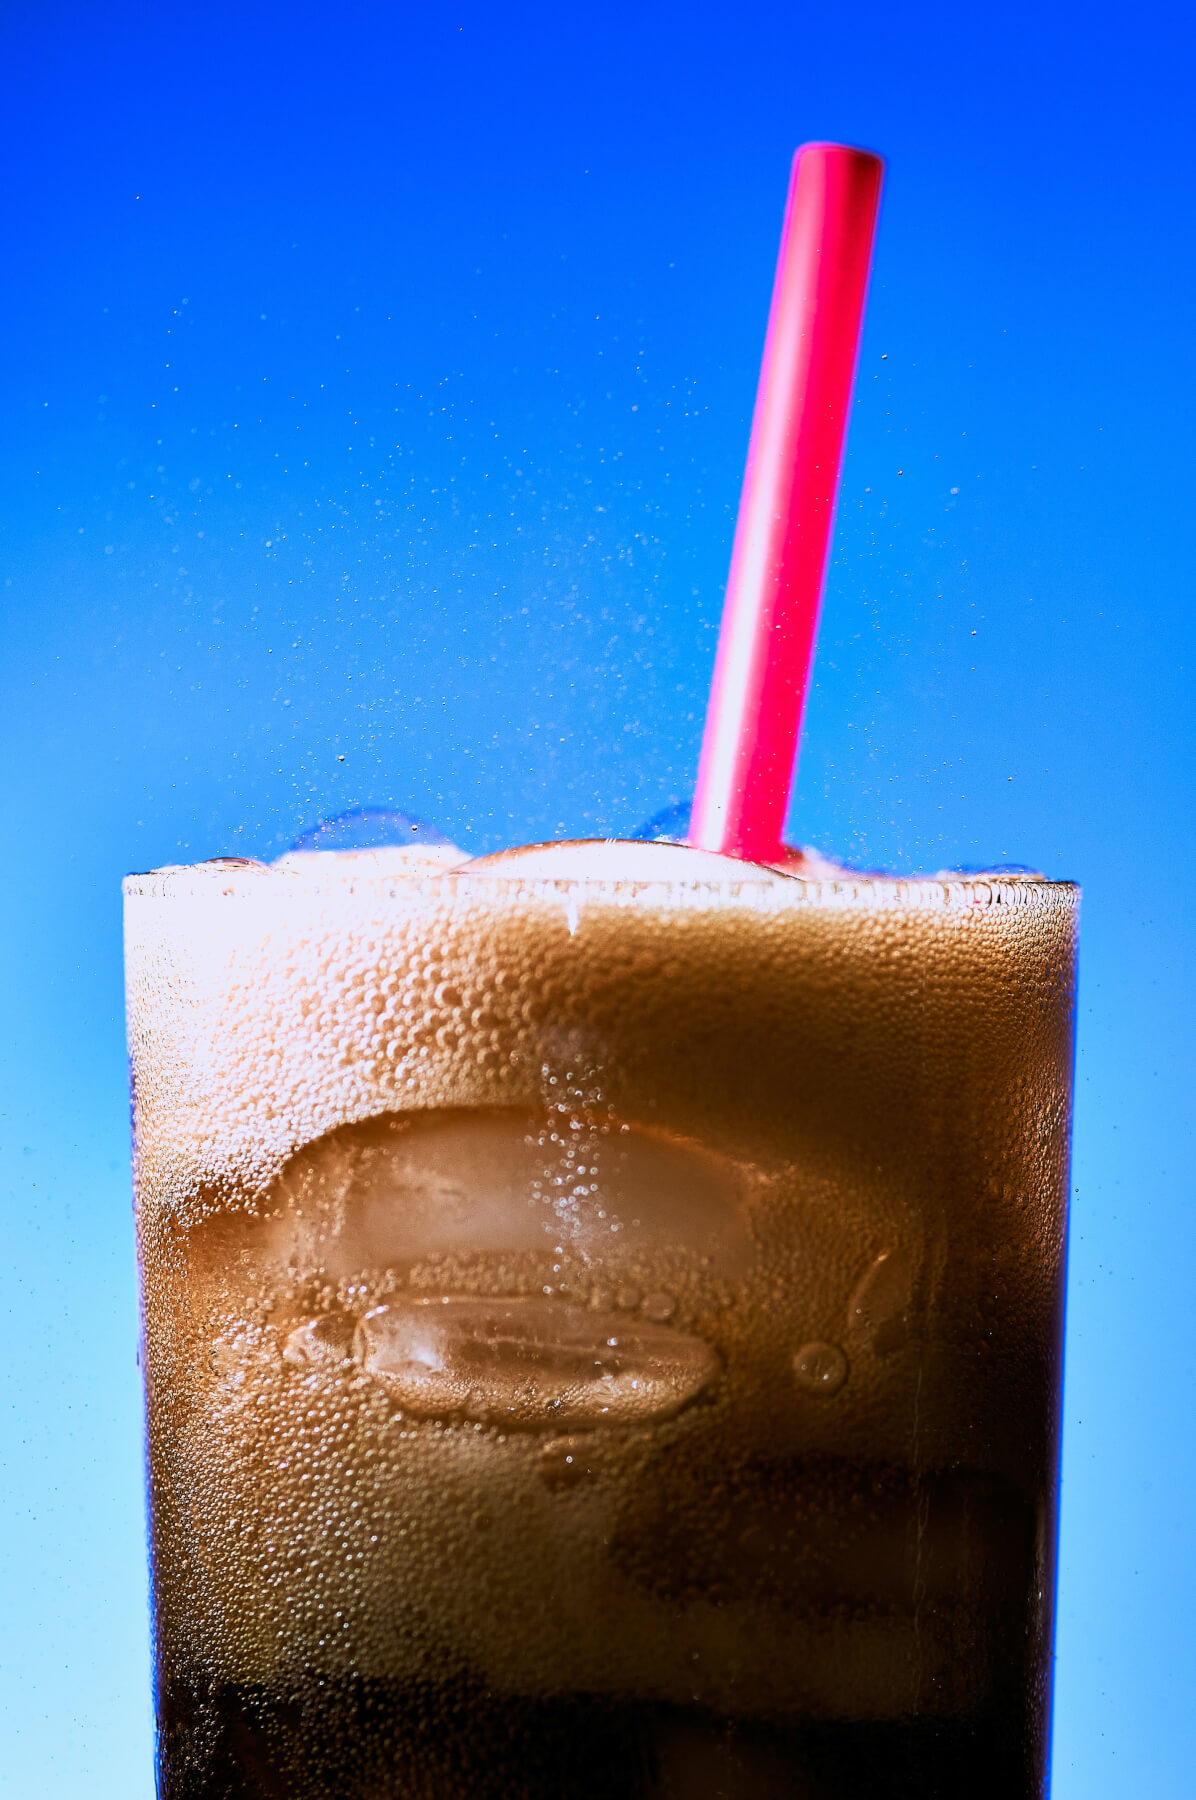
x=879, y=1306
x=820, y=1368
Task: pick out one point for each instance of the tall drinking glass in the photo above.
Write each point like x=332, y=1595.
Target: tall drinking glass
x=602, y=1331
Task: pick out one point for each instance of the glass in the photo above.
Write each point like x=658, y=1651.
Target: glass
x=602, y=1338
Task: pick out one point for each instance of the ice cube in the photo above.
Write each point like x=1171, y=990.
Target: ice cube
x=530, y=1365
x=620, y=859
x=373, y=838
x=644, y=858
x=328, y=1339
x=510, y=1179
x=371, y=828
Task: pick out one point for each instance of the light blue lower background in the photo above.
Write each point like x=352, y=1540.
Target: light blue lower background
x=383, y=395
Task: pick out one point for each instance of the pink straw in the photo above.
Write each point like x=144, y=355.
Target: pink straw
x=782, y=536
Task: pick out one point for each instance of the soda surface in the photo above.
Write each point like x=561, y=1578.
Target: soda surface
x=602, y=1325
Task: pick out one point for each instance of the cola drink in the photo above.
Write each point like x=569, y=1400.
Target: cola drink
x=602, y=1317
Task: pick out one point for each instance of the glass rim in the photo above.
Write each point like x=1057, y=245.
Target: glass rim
x=246, y=878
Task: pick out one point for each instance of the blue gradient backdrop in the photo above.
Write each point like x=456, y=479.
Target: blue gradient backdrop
x=376, y=384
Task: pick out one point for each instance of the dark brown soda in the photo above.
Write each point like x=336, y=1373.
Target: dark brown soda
x=601, y=1338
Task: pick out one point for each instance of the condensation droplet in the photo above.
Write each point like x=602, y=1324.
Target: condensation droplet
x=879, y=1306
x=820, y=1368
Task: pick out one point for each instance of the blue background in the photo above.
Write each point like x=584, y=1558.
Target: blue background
x=378, y=381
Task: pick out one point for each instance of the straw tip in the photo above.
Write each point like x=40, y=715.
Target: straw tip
x=824, y=150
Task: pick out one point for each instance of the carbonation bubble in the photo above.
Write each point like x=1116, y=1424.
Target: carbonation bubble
x=820, y=1368
x=530, y=1365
